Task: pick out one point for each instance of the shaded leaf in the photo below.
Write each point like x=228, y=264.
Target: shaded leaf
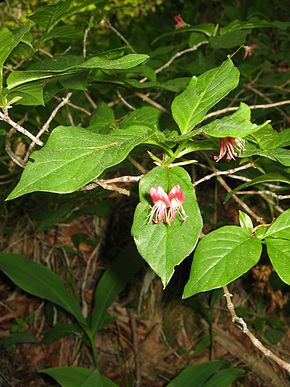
x=40, y=281
x=279, y=254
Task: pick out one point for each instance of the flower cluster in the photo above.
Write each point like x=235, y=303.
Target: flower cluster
x=166, y=206
x=228, y=147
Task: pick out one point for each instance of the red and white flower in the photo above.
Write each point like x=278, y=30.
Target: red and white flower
x=249, y=50
x=176, y=197
x=161, y=202
x=229, y=146
x=165, y=207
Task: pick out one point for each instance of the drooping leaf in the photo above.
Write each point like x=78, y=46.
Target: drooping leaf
x=221, y=257
x=73, y=157
x=281, y=227
x=165, y=246
x=40, y=281
x=60, y=330
x=8, y=41
x=202, y=93
x=112, y=283
x=78, y=377
x=236, y=125
x=238, y=25
x=65, y=66
x=224, y=377
x=279, y=254
x=30, y=94
x=230, y=39
x=199, y=373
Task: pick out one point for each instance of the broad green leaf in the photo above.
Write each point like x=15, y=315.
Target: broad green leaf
x=30, y=94
x=8, y=41
x=202, y=93
x=62, y=66
x=221, y=257
x=245, y=221
x=63, y=33
x=281, y=227
x=146, y=115
x=112, y=283
x=230, y=39
x=72, y=157
x=265, y=137
x=165, y=246
x=101, y=118
x=199, y=373
x=124, y=63
x=236, y=125
x=279, y=254
x=224, y=378
x=78, y=377
x=280, y=154
x=60, y=330
x=266, y=178
x=40, y=281
x=49, y=15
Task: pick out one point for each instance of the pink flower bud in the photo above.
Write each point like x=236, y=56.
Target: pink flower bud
x=249, y=50
x=180, y=23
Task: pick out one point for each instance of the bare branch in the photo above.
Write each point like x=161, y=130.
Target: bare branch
x=252, y=107
x=109, y=184
x=146, y=98
x=19, y=128
x=124, y=101
x=122, y=37
x=257, y=343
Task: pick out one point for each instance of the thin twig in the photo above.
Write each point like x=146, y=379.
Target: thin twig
x=174, y=57
x=228, y=172
x=279, y=197
x=91, y=101
x=109, y=184
x=146, y=98
x=124, y=101
x=72, y=105
x=46, y=125
x=252, y=107
x=122, y=37
x=19, y=128
x=257, y=343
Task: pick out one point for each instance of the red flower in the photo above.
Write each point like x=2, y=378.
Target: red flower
x=249, y=50
x=166, y=206
x=161, y=202
x=228, y=147
x=180, y=23
x=176, y=197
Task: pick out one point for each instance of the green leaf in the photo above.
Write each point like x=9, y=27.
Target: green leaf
x=101, y=118
x=224, y=378
x=266, y=178
x=245, y=221
x=60, y=330
x=124, y=63
x=40, y=281
x=8, y=41
x=199, y=373
x=72, y=157
x=165, y=246
x=18, y=338
x=279, y=254
x=236, y=125
x=238, y=25
x=281, y=227
x=230, y=39
x=30, y=94
x=113, y=281
x=146, y=115
x=280, y=154
x=78, y=377
x=202, y=93
x=221, y=257
x=62, y=66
